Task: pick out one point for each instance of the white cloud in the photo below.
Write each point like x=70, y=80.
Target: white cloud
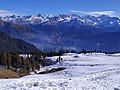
x=97, y=13
x=5, y=13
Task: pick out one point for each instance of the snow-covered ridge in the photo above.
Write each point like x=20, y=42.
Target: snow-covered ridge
x=101, y=20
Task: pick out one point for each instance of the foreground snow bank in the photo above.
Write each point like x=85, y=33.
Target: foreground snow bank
x=83, y=72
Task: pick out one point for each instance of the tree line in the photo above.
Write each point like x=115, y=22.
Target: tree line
x=13, y=60
x=24, y=65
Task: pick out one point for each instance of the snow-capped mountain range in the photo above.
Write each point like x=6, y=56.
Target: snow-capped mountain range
x=100, y=21
x=69, y=31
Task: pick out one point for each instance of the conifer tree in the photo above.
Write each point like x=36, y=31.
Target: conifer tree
x=8, y=61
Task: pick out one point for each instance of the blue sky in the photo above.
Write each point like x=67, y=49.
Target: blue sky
x=57, y=6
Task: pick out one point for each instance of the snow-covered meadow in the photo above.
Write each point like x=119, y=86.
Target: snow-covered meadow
x=95, y=71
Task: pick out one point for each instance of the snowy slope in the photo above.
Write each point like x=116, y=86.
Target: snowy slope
x=83, y=72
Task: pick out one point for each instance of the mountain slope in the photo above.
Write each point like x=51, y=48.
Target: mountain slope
x=9, y=44
x=107, y=42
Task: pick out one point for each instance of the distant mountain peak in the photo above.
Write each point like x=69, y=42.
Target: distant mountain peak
x=101, y=20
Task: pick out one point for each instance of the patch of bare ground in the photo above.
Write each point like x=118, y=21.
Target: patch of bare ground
x=6, y=73
x=52, y=70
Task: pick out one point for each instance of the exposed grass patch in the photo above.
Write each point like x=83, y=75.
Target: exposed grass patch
x=52, y=70
x=6, y=73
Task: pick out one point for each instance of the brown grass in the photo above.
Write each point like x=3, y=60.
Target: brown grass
x=5, y=73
